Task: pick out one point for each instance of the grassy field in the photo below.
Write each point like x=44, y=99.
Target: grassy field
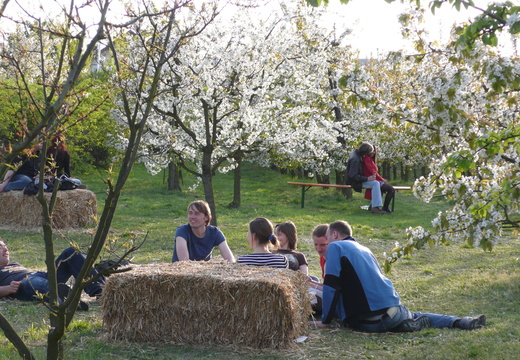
x=454, y=279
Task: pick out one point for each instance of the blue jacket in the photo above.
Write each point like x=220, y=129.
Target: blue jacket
x=354, y=277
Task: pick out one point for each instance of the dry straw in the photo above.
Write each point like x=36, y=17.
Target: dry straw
x=73, y=209
x=212, y=302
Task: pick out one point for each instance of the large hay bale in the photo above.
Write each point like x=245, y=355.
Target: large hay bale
x=212, y=302
x=73, y=209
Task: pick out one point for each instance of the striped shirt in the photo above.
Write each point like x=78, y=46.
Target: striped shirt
x=264, y=259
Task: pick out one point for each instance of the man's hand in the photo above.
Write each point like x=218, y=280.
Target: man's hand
x=371, y=178
x=10, y=289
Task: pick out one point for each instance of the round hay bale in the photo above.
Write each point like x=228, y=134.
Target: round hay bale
x=73, y=209
x=213, y=303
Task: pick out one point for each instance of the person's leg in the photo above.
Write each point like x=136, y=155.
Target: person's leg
x=376, y=192
x=436, y=320
x=34, y=283
x=69, y=263
x=390, y=193
x=18, y=182
x=387, y=322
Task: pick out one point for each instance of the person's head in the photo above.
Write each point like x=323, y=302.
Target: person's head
x=287, y=235
x=4, y=253
x=319, y=237
x=373, y=154
x=365, y=148
x=338, y=230
x=58, y=141
x=262, y=231
x=199, y=213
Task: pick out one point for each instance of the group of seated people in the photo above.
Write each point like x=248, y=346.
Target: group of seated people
x=25, y=168
x=354, y=287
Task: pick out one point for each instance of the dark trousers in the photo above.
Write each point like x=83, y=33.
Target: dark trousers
x=390, y=193
x=68, y=264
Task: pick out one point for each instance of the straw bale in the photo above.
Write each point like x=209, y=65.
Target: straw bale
x=213, y=302
x=74, y=209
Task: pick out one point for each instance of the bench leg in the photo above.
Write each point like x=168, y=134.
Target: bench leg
x=303, y=196
x=393, y=201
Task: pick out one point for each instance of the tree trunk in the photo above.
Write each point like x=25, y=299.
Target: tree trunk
x=323, y=179
x=173, y=176
x=237, y=174
x=207, y=183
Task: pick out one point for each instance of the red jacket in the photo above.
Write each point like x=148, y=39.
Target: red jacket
x=369, y=169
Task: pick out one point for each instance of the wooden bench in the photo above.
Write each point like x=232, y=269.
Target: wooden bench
x=307, y=186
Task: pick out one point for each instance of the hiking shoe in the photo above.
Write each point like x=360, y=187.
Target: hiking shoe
x=63, y=293
x=411, y=325
x=471, y=322
x=377, y=210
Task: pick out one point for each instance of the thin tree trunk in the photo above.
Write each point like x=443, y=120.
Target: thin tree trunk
x=173, y=176
x=237, y=175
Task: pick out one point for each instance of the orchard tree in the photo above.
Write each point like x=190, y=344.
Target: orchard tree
x=63, y=48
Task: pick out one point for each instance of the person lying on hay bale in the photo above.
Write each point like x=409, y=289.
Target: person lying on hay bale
x=364, y=299
x=260, y=236
x=196, y=240
x=20, y=283
x=27, y=168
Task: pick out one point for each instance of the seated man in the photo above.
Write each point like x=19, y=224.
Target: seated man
x=364, y=299
x=21, y=283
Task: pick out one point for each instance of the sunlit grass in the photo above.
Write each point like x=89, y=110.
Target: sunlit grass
x=455, y=279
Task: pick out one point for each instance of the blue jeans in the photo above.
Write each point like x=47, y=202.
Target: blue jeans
x=388, y=323
x=18, y=182
x=68, y=264
x=377, y=199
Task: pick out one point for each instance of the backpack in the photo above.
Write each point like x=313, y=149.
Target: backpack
x=67, y=183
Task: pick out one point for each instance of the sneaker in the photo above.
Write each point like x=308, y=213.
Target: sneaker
x=386, y=210
x=63, y=292
x=377, y=210
x=411, y=325
x=471, y=322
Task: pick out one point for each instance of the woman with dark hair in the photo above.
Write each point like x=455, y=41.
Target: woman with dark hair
x=260, y=237
x=26, y=169
x=354, y=177
x=58, y=156
x=370, y=168
x=196, y=240
x=288, y=236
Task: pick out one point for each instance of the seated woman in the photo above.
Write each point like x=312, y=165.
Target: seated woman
x=27, y=167
x=370, y=168
x=196, y=240
x=288, y=236
x=260, y=236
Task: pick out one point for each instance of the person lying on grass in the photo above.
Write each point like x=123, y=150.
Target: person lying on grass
x=364, y=299
x=20, y=283
x=196, y=240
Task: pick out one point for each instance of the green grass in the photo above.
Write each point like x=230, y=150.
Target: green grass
x=454, y=279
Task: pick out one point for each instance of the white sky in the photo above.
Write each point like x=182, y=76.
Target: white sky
x=374, y=24
x=376, y=28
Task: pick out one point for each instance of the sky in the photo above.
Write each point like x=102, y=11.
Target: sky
x=374, y=24
x=376, y=28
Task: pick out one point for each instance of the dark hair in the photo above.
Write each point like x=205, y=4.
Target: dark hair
x=289, y=229
x=203, y=207
x=263, y=229
x=57, y=151
x=365, y=148
x=320, y=230
x=342, y=228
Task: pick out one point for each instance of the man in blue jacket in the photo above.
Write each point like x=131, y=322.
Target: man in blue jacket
x=356, y=289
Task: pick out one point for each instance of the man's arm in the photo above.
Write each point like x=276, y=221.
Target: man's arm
x=226, y=252
x=10, y=289
x=181, y=247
